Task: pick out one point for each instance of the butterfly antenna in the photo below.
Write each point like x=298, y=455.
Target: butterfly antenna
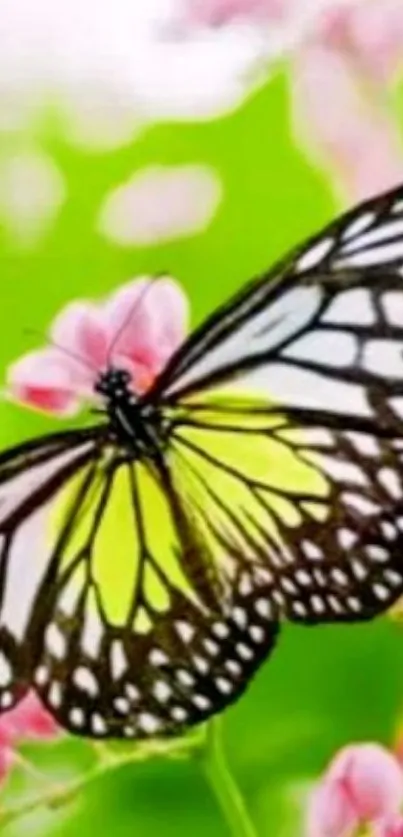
x=75, y=356
x=131, y=313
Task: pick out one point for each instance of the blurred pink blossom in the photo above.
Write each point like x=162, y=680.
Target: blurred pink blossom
x=363, y=784
x=341, y=78
x=27, y=721
x=138, y=328
x=343, y=60
x=159, y=203
x=389, y=827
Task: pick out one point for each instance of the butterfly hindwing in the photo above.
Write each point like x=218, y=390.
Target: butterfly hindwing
x=138, y=640
x=313, y=514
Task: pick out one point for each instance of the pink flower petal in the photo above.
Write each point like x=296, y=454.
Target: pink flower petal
x=147, y=322
x=6, y=761
x=160, y=203
x=330, y=812
x=79, y=329
x=41, y=380
x=389, y=827
x=372, y=777
x=355, y=136
x=376, y=33
x=29, y=719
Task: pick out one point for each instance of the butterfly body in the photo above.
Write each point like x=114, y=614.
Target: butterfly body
x=134, y=424
x=259, y=478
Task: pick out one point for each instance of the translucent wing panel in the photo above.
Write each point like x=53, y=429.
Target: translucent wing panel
x=316, y=512
x=321, y=332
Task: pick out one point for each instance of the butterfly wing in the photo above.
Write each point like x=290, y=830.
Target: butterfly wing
x=286, y=410
x=31, y=476
x=136, y=639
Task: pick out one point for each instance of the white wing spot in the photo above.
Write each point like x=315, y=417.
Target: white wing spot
x=122, y=705
x=148, y=722
x=178, y=713
x=118, y=658
x=257, y=633
x=346, y=538
x=377, y=553
x=55, y=641
x=6, y=700
x=132, y=692
x=220, y=629
x=380, y=232
x=314, y=255
x=201, y=702
x=381, y=592
x=233, y=667
x=162, y=691
x=299, y=609
x=392, y=303
x=245, y=585
x=288, y=585
x=263, y=608
x=85, y=680
x=390, y=481
x=359, y=569
x=243, y=651
x=335, y=605
x=158, y=657
x=361, y=504
x=372, y=257
x=358, y=225
x=240, y=617
x=201, y=664
x=304, y=578
x=224, y=685
x=55, y=695
x=129, y=731
x=185, y=677
x=318, y=604
x=77, y=717
x=6, y=671
x=185, y=630
x=98, y=724
x=339, y=576
x=311, y=550
x=354, y=603
x=41, y=675
x=211, y=647
x=394, y=578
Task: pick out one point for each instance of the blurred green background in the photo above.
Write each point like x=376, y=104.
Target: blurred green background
x=323, y=687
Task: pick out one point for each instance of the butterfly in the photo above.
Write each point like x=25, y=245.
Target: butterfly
x=258, y=479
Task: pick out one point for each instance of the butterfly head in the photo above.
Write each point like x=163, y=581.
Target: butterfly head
x=114, y=385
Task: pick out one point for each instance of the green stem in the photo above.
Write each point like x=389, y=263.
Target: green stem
x=223, y=784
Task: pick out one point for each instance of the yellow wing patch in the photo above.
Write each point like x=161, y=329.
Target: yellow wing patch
x=125, y=538
x=242, y=476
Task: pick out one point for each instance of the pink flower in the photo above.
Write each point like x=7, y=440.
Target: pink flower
x=346, y=120
x=344, y=56
x=138, y=327
x=389, y=827
x=28, y=720
x=363, y=784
